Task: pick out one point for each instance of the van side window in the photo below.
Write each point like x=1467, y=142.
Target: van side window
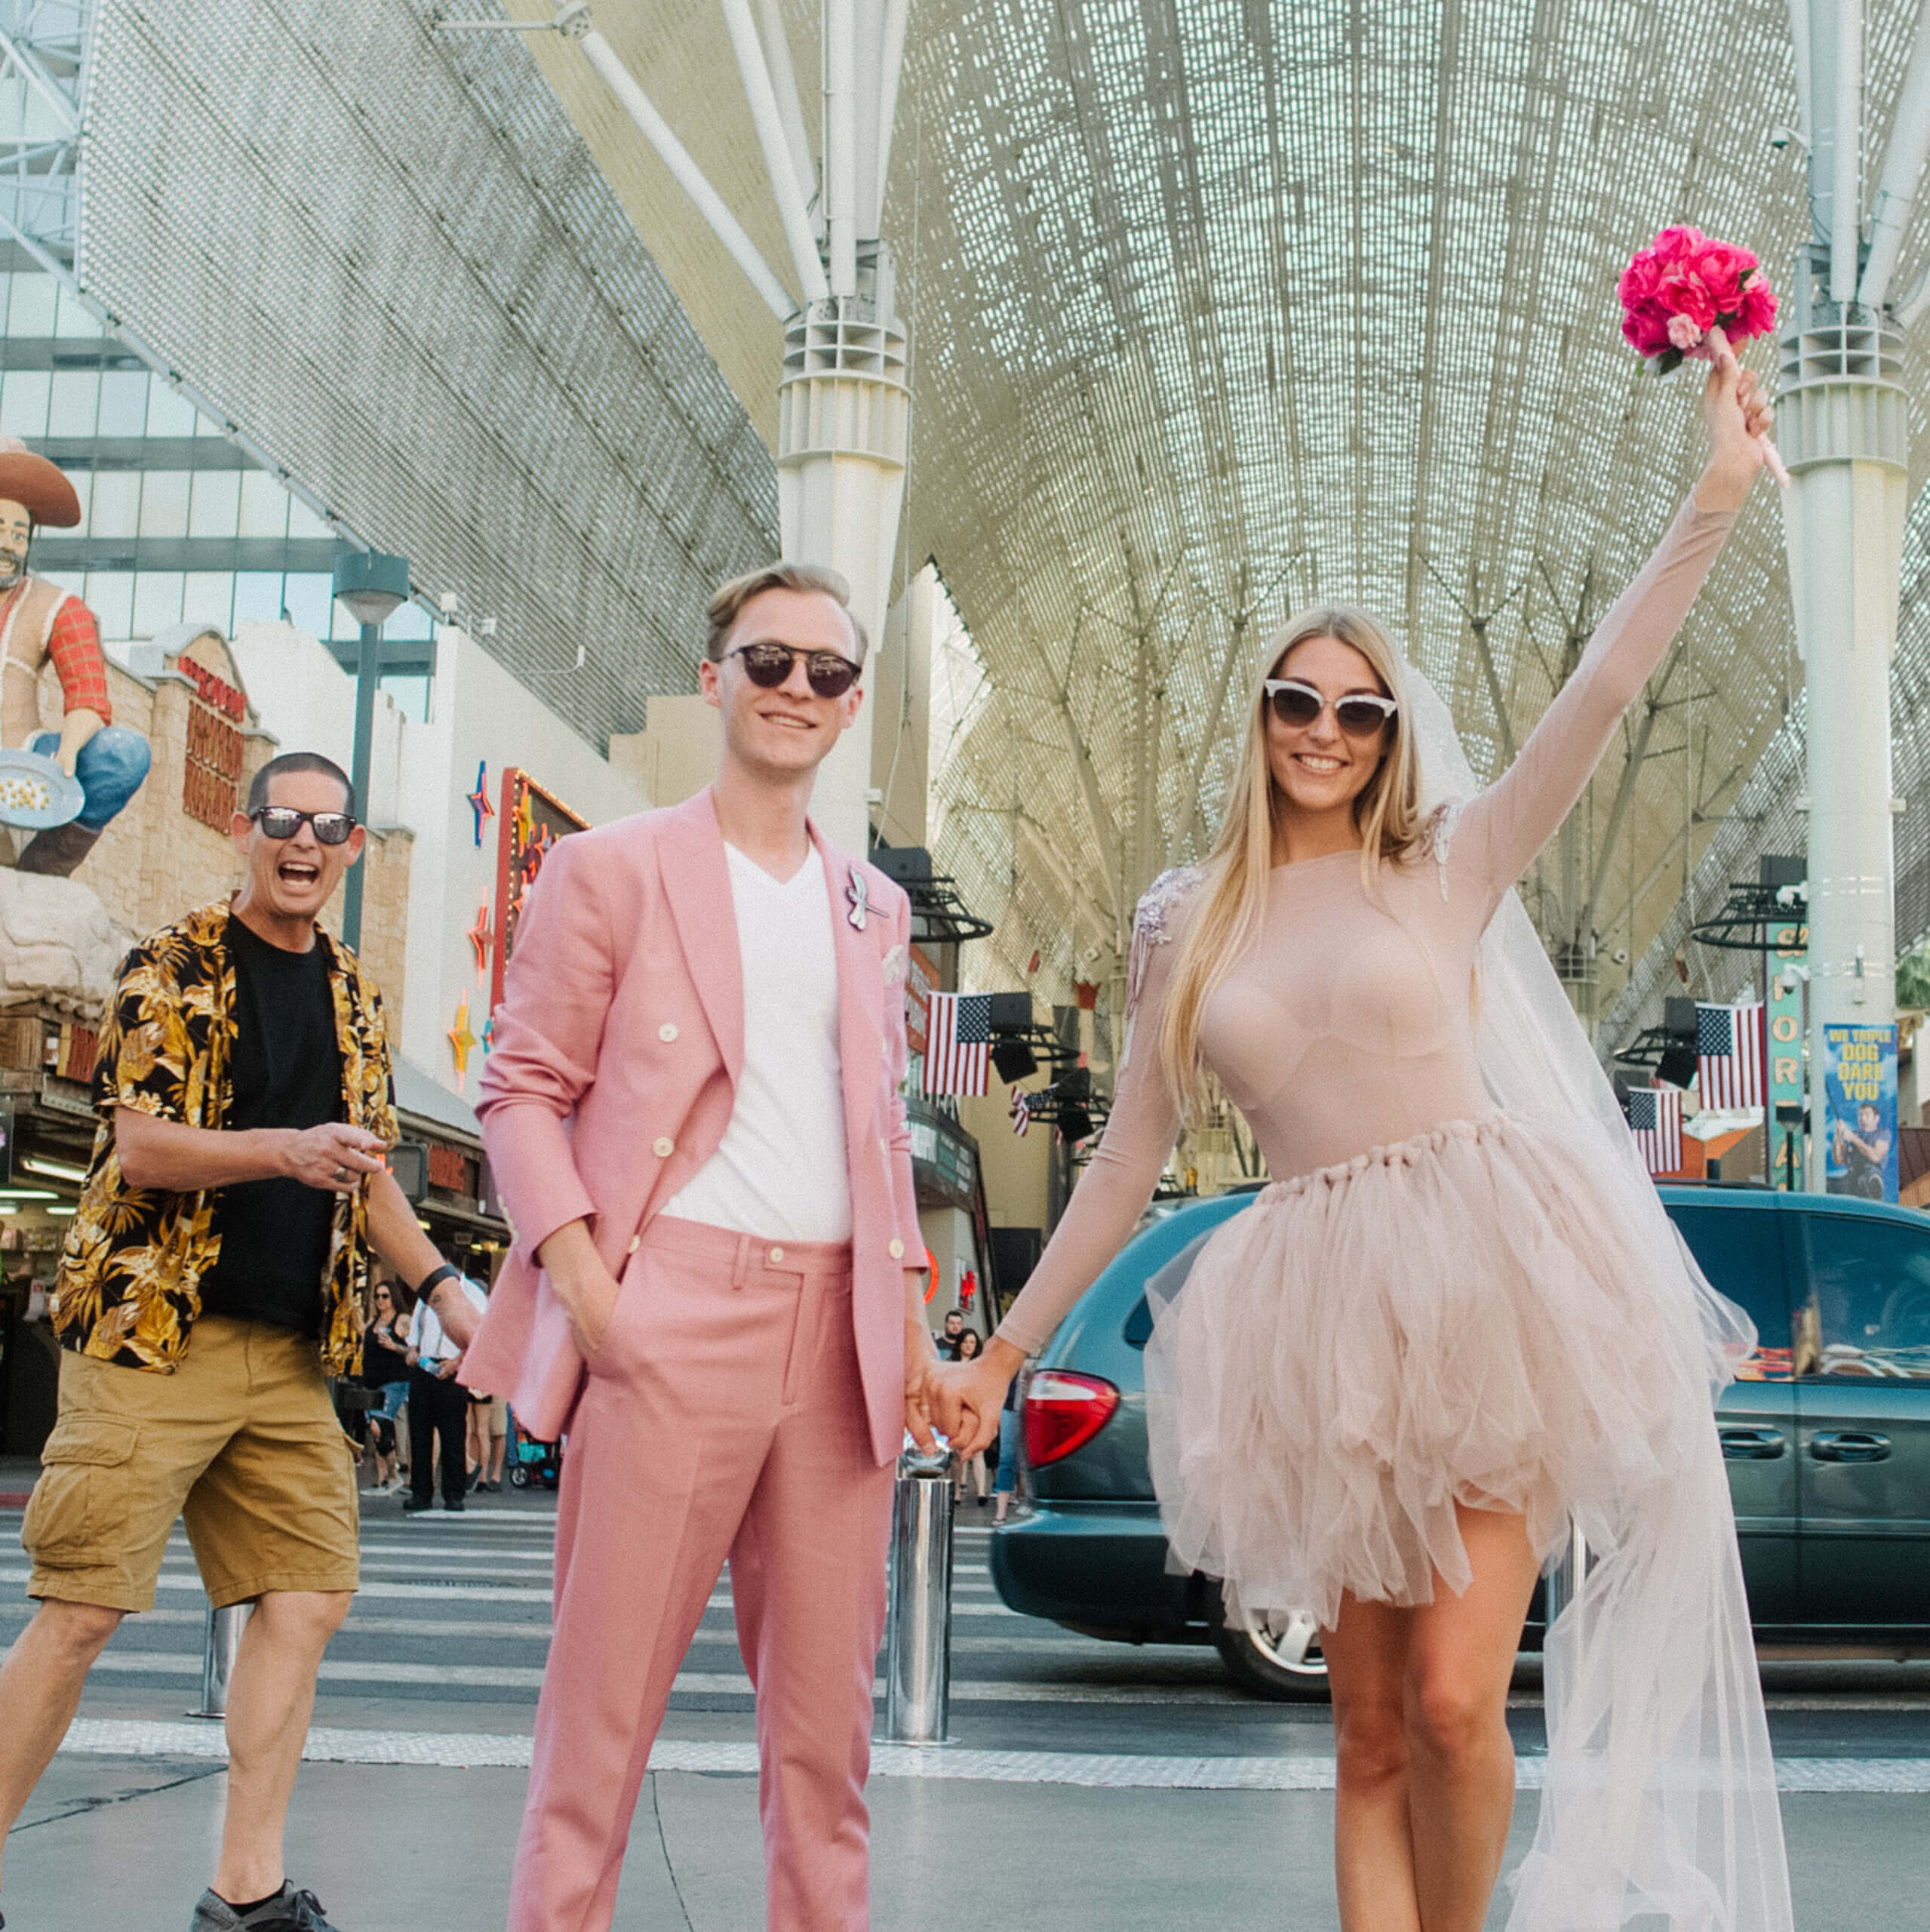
x=1867, y=1313
x=1740, y=1250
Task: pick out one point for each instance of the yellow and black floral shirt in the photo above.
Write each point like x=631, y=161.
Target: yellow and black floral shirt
x=130, y=1284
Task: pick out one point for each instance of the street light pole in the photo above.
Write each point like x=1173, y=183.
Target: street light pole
x=371, y=583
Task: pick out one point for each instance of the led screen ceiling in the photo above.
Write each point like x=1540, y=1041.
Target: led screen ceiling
x=393, y=263
x=1219, y=307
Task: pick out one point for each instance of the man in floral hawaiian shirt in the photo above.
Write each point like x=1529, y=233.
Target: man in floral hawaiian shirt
x=211, y=1282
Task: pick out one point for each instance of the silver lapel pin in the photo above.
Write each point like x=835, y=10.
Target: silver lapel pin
x=857, y=893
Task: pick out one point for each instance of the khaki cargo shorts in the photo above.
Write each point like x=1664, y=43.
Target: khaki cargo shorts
x=241, y=1440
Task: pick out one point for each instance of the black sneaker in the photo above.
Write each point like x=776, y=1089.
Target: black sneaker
x=458, y=1504
x=411, y=1502
x=288, y=1911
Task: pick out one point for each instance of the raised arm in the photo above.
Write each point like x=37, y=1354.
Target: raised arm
x=1503, y=829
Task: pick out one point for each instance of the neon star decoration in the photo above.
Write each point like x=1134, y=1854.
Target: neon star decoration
x=489, y=1036
x=478, y=800
x=481, y=939
x=462, y=1042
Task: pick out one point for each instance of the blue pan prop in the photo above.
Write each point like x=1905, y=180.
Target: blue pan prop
x=39, y=776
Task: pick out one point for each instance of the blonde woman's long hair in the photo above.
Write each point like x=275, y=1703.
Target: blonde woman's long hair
x=1232, y=901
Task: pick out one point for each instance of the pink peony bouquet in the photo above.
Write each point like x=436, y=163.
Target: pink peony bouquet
x=1685, y=284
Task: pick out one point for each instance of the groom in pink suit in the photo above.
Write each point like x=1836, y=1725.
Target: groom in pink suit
x=693, y=1115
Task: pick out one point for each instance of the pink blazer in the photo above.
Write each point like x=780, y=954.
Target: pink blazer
x=618, y=1046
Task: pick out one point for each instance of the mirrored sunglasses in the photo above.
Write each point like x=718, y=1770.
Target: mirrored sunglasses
x=283, y=822
x=769, y=665
x=1360, y=714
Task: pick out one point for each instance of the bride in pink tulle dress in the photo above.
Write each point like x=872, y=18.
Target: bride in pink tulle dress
x=1458, y=1318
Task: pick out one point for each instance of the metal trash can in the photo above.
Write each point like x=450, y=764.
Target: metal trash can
x=217, y=1664
x=918, y=1678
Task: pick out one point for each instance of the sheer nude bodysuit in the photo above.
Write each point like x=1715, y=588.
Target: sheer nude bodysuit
x=1351, y=1026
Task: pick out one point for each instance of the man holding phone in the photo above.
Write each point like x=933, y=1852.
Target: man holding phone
x=211, y=1282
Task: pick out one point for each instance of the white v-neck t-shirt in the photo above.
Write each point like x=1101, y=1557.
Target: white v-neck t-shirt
x=779, y=1170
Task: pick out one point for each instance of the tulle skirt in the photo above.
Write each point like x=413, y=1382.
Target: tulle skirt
x=1496, y=1313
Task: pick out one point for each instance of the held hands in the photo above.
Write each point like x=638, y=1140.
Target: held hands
x=968, y=1396
x=921, y=1368
x=1739, y=420
x=334, y=1157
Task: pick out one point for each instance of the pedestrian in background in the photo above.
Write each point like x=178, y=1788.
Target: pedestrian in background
x=1005, y=1483
x=386, y=1369
x=972, y=1466
x=954, y=1328
x=439, y=1404
x=497, y=1441
x=210, y=1283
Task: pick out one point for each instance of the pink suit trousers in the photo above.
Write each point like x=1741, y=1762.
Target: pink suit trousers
x=723, y=1416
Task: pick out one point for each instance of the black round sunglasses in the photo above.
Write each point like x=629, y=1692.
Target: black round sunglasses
x=283, y=822
x=769, y=665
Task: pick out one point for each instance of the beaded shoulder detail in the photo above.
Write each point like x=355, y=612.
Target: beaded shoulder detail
x=1153, y=924
x=1439, y=835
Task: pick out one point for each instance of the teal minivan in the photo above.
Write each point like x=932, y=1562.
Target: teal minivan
x=1826, y=1438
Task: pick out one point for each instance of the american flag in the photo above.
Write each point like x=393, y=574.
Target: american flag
x=1729, y=1055
x=1654, y=1118
x=1022, y=1110
x=958, y=1044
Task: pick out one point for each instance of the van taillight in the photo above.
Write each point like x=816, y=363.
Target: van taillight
x=1064, y=1412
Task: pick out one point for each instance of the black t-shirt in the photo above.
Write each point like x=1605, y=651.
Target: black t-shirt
x=286, y=1072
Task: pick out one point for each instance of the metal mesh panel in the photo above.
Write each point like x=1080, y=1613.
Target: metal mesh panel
x=1221, y=308
x=395, y=265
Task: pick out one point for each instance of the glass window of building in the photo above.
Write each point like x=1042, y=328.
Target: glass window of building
x=75, y=318
x=23, y=402
x=110, y=594
x=309, y=599
x=208, y=597
x=74, y=404
x=169, y=413
x=116, y=506
x=302, y=521
x=264, y=506
x=124, y=402
x=257, y=597
x=216, y=507
x=31, y=304
x=157, y=601
x=164, y=502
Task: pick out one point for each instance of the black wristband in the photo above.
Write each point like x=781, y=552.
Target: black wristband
x=447, y=1272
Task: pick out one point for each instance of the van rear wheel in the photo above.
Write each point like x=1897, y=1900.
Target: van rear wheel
x=1274, y=1654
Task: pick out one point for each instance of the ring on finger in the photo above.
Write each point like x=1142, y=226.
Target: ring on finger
x=341, y=1174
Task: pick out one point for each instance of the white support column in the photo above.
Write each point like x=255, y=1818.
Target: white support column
x=897, y=18
x=843, y=431
x=688, y=175
x=841, y=156
x=784, y=84
x=1903, y=162
x=785, y=187
x=868, y=79
x=1846, y=186
x=1843, y=425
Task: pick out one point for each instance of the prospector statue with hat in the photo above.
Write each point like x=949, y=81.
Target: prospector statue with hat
x=38, y=620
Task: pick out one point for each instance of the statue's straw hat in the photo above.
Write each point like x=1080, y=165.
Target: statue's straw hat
x=31, y=480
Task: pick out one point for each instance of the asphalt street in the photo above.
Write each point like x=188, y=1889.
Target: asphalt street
x=1065, y=1752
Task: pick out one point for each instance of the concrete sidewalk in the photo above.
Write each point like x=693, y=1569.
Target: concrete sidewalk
x=129, y=1842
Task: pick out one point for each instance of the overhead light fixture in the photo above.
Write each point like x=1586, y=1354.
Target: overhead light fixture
x=39, y=1164
x=65, y=1212
x=28, y=1194
x=9, y=1207
x=1014, y=1060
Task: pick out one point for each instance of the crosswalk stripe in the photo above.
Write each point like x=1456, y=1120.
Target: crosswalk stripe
x=1313, y=1772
